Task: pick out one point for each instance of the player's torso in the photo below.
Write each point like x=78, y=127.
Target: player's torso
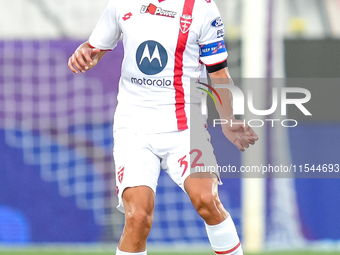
x=161, y=56
x=151, y=33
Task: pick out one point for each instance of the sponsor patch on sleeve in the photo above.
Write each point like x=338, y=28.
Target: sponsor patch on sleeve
x=217, y=22
x=213, y=49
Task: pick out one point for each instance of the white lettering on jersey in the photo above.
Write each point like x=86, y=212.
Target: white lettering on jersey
x=155, y=55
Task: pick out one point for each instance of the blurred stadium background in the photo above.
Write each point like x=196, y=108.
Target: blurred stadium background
x=57, y=186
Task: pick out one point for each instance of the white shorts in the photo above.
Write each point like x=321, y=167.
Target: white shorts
x=139, y=158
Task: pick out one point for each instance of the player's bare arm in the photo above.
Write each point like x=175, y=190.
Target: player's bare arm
x=239, y=135
x=84, y=58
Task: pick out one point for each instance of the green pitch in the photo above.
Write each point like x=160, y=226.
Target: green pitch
x=40, y=252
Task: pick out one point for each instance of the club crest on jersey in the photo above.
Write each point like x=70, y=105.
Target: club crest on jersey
x=186, y=21
x=154, y=10
x=120, y=174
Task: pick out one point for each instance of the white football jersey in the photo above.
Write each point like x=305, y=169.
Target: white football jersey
x=166, y=43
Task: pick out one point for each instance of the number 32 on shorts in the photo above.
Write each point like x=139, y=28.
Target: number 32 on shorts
x=194, y=164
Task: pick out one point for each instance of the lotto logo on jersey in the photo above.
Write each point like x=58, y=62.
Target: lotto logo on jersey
x=154, y=10
x=127, y=16
x=151, y=57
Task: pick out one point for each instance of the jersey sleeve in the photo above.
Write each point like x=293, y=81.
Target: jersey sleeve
x=211, y=40
x=107, y=32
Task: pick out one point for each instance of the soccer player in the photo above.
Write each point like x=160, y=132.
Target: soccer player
x=166, y=43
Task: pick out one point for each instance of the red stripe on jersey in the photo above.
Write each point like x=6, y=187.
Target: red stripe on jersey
x=229, y=251
x=182, y=121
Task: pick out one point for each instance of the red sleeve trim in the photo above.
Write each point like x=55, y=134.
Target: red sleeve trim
x=217, y=63
x=95, y=47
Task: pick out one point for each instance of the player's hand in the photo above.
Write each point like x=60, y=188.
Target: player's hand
x=83, y=59
x=241, y=136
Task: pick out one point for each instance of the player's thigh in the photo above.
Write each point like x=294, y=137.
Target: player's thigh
x=136, y=165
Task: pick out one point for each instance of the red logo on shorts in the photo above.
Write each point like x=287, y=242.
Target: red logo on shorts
x=120, y=174
x=127, y=16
